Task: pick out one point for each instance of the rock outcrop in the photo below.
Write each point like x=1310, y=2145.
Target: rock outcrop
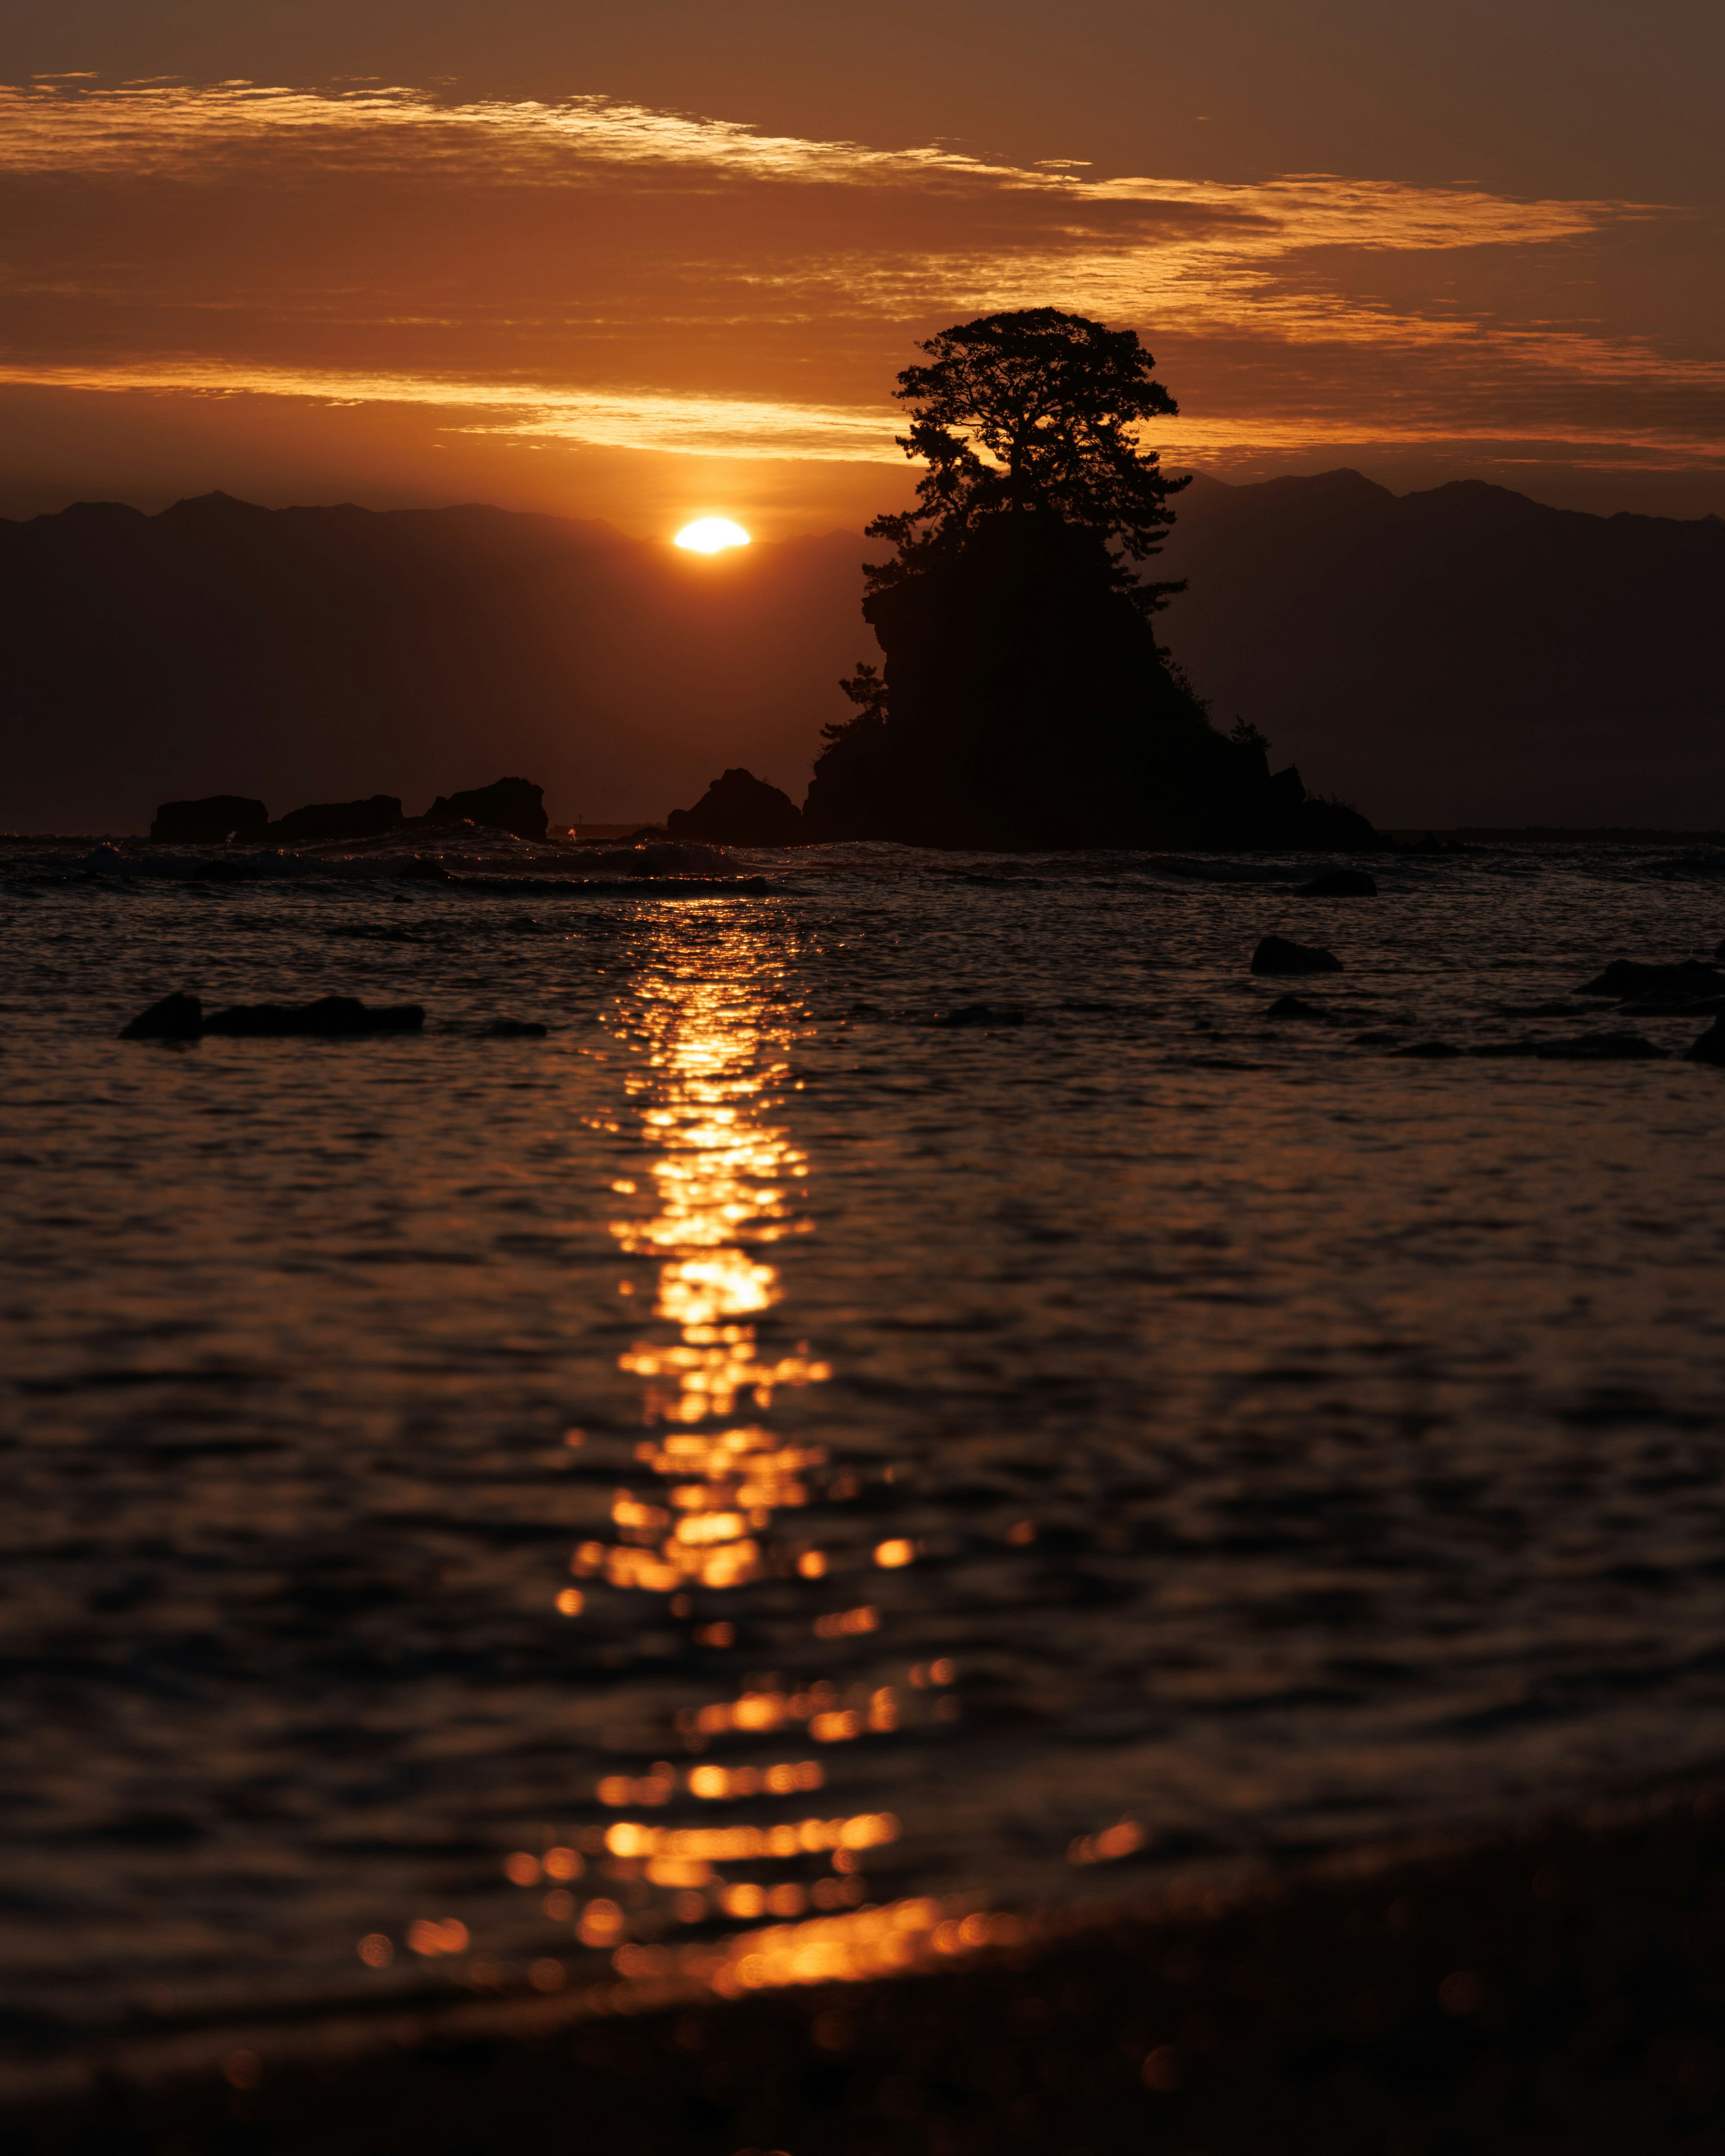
x=739, y=810
x=1629, y=976
x=1710, y=1046
x=181, y=1017
x=326, y=823
x=214, y=821
x=1281, y=954
x=330, y=1017
x=508, y=805
x=1339, y=883
x=1028, y=705
x=177, y=1017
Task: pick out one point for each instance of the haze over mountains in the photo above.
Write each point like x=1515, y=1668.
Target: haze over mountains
x=1462, y=655
x=1459, y=656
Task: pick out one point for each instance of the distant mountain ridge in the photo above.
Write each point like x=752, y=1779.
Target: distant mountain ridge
x=329, y=654
x=1463, y=655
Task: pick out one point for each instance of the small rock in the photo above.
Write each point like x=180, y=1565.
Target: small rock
x=1339, y=883
x=979, y=1014
x=1710, y=1046
x=1298, y=1007
x=739, y=810
x=1672, y=1003
x=508, y=805
x=1600, y=1048
x=1431, y=1051
x=1376, y=1040
x=512, y=1028
x=1628, y=977
x=327, y=823
x=330, y=1017
x=177, y=1017
x=1277, y=954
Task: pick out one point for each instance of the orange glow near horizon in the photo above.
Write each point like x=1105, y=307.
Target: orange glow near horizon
x=538, y=302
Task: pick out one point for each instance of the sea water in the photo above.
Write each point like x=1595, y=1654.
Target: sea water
x=480, y=1509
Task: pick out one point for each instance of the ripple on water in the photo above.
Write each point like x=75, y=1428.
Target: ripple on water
x=760, y=1480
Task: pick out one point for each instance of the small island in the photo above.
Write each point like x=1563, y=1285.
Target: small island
x=1025, y=701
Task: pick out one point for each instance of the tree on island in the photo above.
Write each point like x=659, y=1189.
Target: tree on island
x=1025, y=700
x=1051, y=399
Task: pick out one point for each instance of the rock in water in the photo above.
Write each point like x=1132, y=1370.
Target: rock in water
x=1710, y=1047
x=1278, y=954
x=330, y=1017
x=979, y=1014
x=739, y=810
x=1629, y=976
x=508, y=805
x=1028, y=705
x=1298, y=1007
x=1600, y=1048
x=211, y=822
x=177, y=1017
x=324, y=823
x=1339, y=883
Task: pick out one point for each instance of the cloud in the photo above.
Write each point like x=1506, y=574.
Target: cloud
x=644, y=419
x=581, y=270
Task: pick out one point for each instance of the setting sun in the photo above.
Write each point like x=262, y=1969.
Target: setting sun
x=711, y=534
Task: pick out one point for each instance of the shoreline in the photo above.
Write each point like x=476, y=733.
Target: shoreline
x=1556, y=1983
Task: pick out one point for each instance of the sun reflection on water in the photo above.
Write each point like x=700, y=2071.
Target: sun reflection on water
x=723, y=1185
x=718, y=1509
x=735, y=1527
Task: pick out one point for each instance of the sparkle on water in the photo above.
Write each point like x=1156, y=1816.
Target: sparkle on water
x=854, y=1487
x=711, y=534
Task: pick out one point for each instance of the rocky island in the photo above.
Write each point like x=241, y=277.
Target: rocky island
x=1026, y=700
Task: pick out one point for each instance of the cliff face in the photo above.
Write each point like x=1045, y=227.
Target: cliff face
x=1030, y=706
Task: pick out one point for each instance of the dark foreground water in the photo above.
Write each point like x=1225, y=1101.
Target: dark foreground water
x=484, y=1511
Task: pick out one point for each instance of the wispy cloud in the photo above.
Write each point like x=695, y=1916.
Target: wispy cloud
x=644, y=419
x=192, y=132
x=625, y=252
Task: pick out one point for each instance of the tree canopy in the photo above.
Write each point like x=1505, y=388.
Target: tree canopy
x=1033, y=413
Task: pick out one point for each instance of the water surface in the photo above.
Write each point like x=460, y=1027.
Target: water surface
x=480, y=1508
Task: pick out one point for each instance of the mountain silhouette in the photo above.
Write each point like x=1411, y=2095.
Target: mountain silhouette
x=329, y=654
x=1463, y=655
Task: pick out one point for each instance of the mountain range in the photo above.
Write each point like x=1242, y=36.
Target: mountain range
x=1463, y=655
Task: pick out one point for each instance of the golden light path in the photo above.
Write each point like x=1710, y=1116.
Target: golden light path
x=719, y=1515
x=711, y=534
x=725, y=1507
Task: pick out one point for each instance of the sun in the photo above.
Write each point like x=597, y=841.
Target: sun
x=711, y=534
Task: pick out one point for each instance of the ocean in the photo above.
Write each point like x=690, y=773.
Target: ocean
x=917, y=1400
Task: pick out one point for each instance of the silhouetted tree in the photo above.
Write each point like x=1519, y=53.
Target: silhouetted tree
x=1034, y=411
x=868, y=692
x=1025, y=700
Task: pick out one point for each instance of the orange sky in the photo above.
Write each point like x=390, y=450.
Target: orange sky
x=664, y=266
